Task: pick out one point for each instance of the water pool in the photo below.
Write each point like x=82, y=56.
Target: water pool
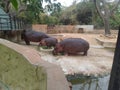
x=90, y=83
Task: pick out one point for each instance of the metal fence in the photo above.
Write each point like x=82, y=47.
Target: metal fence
x=7, y=22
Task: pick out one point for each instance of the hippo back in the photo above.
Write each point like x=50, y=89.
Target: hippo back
x=74, y=45
x=33, y=35
x=50, y=41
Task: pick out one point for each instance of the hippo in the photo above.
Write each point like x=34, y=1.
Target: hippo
x=71, y=46
x=49, y=42
x=34, y=36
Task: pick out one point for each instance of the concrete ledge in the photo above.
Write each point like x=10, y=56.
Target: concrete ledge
x=56, y=79
x=106, y=44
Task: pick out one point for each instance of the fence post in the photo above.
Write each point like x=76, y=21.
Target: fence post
x=11, y=26
x=14, y=21
x=0, y=24
x=114, y=83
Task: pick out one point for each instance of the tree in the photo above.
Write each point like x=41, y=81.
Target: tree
x=28, y=9
x=115, y=20
x=77, y=13
x=6, y=4
x=84, y=12
x=68, y=15
x=106, y=9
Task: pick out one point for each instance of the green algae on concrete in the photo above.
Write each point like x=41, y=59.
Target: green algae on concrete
x=16, y=73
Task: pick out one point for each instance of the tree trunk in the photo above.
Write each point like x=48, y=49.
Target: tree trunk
x=6, y=3
x=107, y=26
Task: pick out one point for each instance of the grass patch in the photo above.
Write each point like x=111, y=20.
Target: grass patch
x=16, y=73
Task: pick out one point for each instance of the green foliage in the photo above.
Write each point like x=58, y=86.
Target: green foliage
x=68, y=15
x=53, y=7
x=83, y=12
x=80, y=13
x=115, y=20
x=98, y=23
x=14, y=3
x=84, y=15
x=35, y=12
x=46, y=19
x=31, y=10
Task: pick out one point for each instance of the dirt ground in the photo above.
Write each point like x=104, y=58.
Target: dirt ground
x=98, y=61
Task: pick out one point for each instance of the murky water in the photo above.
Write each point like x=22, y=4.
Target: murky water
x=90, y=83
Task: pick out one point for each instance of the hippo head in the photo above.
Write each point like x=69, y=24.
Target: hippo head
x=58, y=48
x=42, y=42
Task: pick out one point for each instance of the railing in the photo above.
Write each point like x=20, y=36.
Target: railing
x=7, y=22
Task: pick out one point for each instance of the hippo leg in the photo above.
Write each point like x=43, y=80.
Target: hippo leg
x=75, y=54
x=39, y=44
x=65, y=53
x=69, y=53
x=27, y=42
x=85, y=53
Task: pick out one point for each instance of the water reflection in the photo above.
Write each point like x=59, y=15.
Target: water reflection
x=88, y=83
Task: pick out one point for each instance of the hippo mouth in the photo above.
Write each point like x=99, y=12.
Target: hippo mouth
x=54, y=52
x=46, y=50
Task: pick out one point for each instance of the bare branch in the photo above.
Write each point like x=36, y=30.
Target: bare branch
x=104, y=12
x=113, y=9
x=22, y=8
x=98, y=9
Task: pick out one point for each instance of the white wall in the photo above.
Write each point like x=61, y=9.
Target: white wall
x=86, y=28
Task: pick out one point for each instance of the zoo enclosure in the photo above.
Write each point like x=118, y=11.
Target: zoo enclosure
x=7, y=22
x=10, y=26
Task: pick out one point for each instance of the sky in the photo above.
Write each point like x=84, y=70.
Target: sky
x=69, y=2
x=65, y=2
